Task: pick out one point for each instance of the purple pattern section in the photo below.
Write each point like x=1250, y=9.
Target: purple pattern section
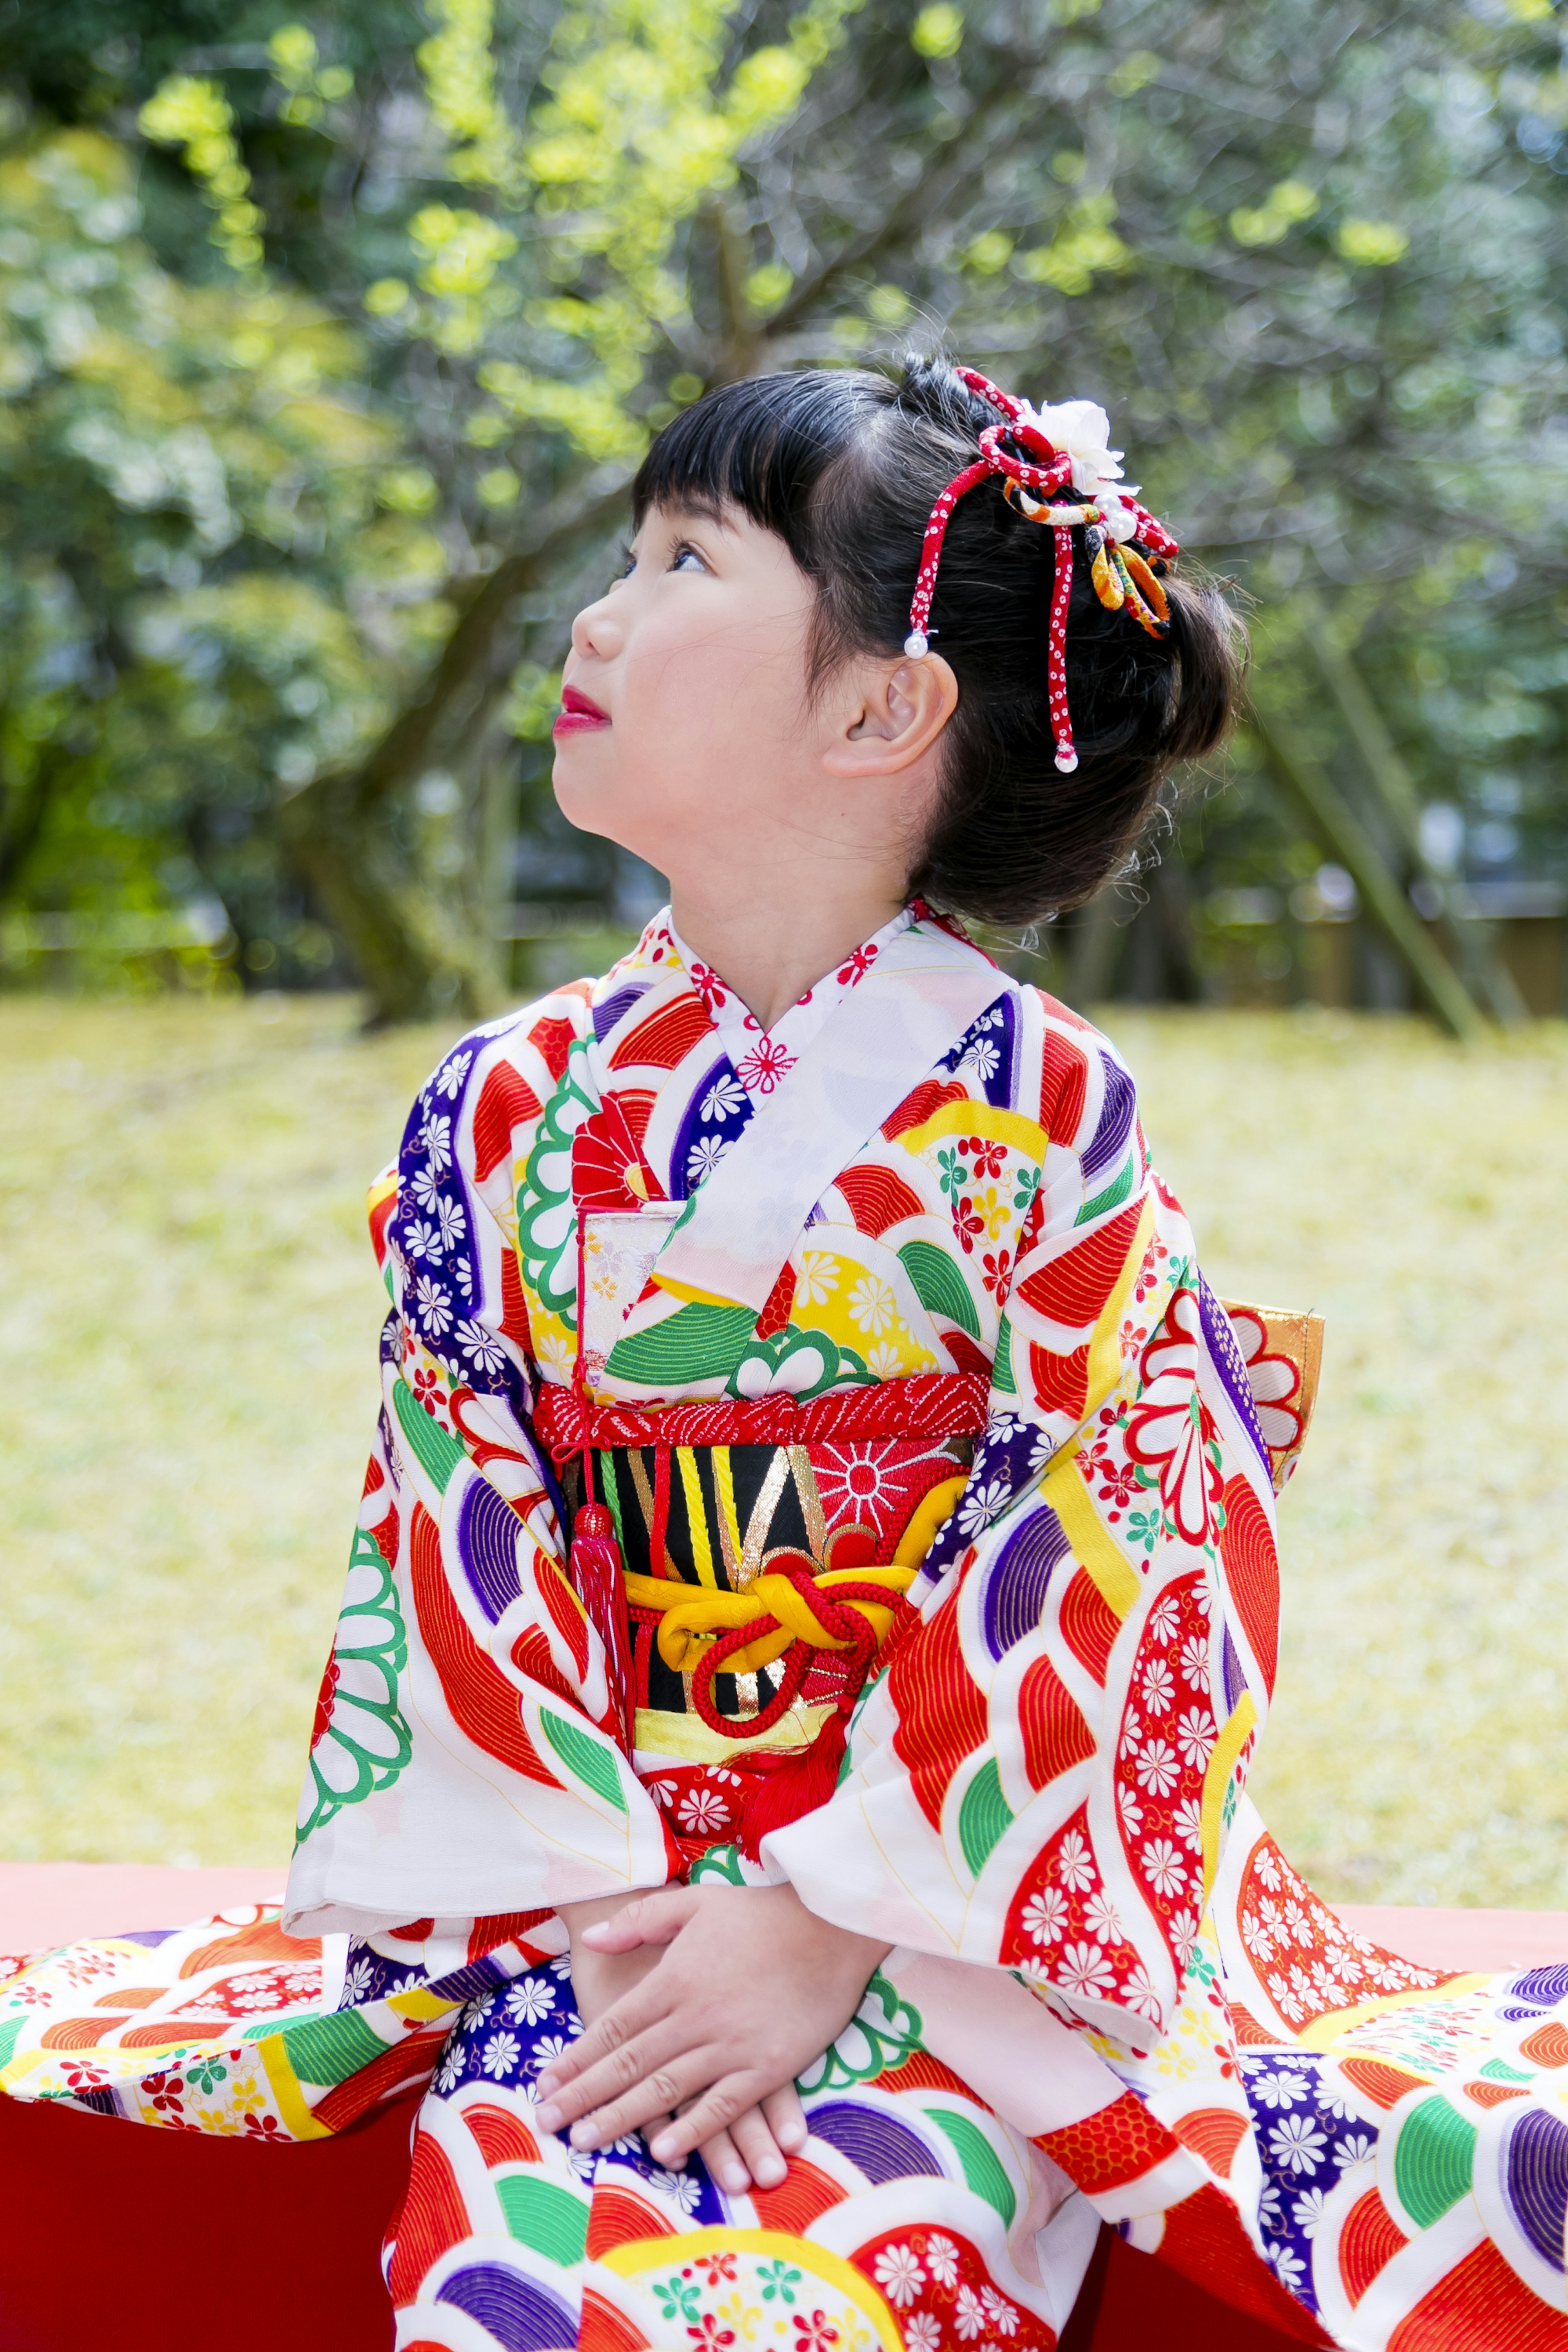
x=1018, y=1579
x=613, y=1008
x=1109, y=1146
x=432, y=1230
x=1226, y=1359
x=1010, y=1452
x=714, y=1117
x=488, y=1532
x=518, y=2313
x=988, y=1050
x=1537, y=2174
x=874, y=2143
x=1306, y=2139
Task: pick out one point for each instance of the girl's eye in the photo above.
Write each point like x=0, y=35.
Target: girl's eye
x=686, y=555
x=628, y=565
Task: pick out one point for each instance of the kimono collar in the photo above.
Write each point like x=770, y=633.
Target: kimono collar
x=760, y=1057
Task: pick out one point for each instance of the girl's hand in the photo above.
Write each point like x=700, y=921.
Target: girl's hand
x=760, y=2142
x=750, y=1987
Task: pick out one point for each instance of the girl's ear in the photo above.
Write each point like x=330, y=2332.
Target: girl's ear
x=890, y=714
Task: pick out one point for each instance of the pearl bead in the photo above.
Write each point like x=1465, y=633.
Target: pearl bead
x=917, y=644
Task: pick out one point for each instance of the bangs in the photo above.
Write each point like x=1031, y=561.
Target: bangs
x=762, y=444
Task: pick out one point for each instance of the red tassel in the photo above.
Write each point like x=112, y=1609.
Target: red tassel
x=791, y=1790
x=597, y=1574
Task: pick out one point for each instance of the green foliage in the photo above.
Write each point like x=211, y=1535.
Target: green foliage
x=329, y=338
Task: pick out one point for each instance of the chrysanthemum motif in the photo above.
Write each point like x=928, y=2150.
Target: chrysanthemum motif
x=1158, y=1771
x=1083, y=1969
x=969, y=2315
x=941, y=2258
x=1075, y=1863
x=898, y=2274
x=1000, y=2314
x=1045, y=1914
x=1297, y=2145
x=500, y=2054
x=1164, y=1866
x=530, y=2000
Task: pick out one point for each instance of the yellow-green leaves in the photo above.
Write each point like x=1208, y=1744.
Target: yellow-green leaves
x=461, y=251
x=1085, y=243
x=938, y=31
x=769, y=286
x=988, y=253
x=407, y=489
x=458, y=72
x=190, y=112
x=639, y=130
x=1135, y=72
x=1372, y=243
x=311, y=86
x=1281, y=209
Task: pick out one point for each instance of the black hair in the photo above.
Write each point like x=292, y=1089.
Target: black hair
x=845, y=466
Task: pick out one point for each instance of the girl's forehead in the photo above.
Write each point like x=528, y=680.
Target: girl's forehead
x=678, y=508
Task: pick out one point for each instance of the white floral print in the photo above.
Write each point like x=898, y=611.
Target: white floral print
x=898, y=2274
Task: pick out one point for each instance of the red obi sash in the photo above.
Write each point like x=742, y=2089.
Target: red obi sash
x=931, y=1404
x=817, y=1616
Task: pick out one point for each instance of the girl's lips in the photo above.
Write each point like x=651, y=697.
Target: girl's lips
x=578, y=714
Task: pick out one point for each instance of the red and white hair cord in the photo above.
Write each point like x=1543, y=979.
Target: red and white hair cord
x=1030, y=483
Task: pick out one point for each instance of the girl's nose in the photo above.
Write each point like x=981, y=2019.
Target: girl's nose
x=598, y=630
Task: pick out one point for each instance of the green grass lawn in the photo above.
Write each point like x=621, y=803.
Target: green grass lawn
x=190, y=1310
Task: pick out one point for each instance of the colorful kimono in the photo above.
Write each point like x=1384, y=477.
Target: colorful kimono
x=931, y=1566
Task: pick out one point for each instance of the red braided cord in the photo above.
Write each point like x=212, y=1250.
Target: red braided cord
x=1054, y=474
x=857, y=1633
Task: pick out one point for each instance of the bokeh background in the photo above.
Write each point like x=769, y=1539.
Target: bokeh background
x=328, y=345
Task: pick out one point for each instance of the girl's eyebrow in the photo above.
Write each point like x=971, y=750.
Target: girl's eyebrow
x=701, y=510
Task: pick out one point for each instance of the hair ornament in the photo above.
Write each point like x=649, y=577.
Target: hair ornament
x=1040, y=453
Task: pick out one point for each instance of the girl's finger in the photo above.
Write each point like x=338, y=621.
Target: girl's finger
x=725, y=2163
x=758, y=2150
x=666, y=2088
x=607, y=2040
x=658, y=1918
x=786, y=2119
x=715, y=2111
x=619, y=2076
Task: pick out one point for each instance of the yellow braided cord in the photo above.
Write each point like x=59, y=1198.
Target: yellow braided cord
x=688, y=1624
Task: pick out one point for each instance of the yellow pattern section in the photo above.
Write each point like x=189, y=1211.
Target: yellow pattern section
x=641, y=2254
x=686, y=1739
x=1325, y=2032
x=1105, y=1347
x=696, y=1511
x=300, y=2123
x=998, y=1126
x=1093, y=1546
x=725, y=1488
x=927, y=1523
x=1226, y=1748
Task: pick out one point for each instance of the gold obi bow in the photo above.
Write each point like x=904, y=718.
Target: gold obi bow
x=692, y=1618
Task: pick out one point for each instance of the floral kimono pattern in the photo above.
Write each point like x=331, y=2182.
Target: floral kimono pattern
x=987, y=1395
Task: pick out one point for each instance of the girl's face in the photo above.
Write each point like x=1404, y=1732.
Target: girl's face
x=686, y=725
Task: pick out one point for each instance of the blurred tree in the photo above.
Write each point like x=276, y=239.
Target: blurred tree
x=1311, y=257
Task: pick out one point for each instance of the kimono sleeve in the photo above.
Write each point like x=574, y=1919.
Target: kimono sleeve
x=1042, y=1777
x=463, y=1760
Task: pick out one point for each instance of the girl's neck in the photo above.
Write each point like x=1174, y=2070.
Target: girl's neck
x=771, y=950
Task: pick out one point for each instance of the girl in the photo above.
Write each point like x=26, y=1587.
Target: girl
x=779, y=1781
